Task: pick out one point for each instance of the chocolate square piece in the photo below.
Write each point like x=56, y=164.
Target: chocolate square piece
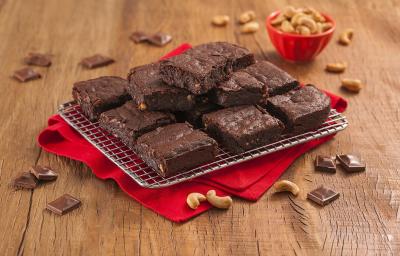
x=139, y=37
x=325, y=164
x=150, y=92
x=128, y=122
x=26, y=74
x=322, y=195
x=43, y=173
x=242, y=128
x=96, y=61
x=201, y=68
x=175, y=148
x=25, y=181
x=301, y=109
x=275, y=80
x=38, y=59
x=100, y=94
x=240, y=89
x=159, y=39
x=351, y=163
x=63, y=204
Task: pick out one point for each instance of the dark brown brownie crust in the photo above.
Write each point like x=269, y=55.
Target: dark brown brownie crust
x=128, y=123
x=100, y=94
x=175, y=148
x=150, y=92
x=240, y=89
x=200, y=69
x=193, y=116
x=302, y=109
x=242, y=128
x=275, y=80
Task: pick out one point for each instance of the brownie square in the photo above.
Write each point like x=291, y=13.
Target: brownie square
x=100, y=94
x=302, y=109
x=175, y=148
x=128, y=123
x=240, y=89
x=150, y=92
x=200, y=69
x=242, y=128
x=275, y=80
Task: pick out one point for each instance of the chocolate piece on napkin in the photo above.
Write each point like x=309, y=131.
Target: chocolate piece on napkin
x=63, y=204
x=43, y=173
x=322, y=195
x=26, y=74
x=25, y=181
x=351, y=163
x=38, y=59
x=325, y=164
x=96, y=61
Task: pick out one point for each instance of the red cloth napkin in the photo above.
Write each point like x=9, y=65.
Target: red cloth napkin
x=248, y=180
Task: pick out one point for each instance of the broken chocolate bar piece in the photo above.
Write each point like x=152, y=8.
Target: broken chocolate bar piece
x=96, y=61
x=38, y=59
x=325, y=164
x=63, y=204
x=159, y=39
x=25, y=181
x=322, y=195
x=139, y=37
x=26, y=74
x=351, y=163
x=43, y=173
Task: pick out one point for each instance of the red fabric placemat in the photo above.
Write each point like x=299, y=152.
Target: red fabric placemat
x=248, y=180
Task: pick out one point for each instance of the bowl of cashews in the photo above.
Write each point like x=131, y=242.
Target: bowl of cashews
x=299, y=34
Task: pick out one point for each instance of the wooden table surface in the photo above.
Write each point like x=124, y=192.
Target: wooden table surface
x=364, y=220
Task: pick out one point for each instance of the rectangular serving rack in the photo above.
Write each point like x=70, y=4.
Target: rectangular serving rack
x=126, y=159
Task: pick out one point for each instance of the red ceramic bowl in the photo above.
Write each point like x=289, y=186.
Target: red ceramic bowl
x=294, y=47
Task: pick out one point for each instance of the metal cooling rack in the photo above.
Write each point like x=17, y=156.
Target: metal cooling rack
x=126, y=159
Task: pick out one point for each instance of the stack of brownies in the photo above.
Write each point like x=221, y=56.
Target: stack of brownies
x=173, y=112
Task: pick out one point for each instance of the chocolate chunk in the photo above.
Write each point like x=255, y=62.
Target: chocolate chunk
x=160, y=39
x=351, y=163
x=322, y=195
x=38, y=59
x=26, y=74
x=96, y=61
x=139, y=37
x=43, y=173
x=25, y=181
x=325, y=164
x=63, y=204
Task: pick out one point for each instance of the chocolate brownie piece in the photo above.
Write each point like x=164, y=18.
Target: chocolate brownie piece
x=100, y=94
x=150, y=92
x=275, y=80
x=302, y=109
x=242, y=128
x=193, y=116
x=128, y=122
x=175, y=148
x=200, y=69
x=240, y=89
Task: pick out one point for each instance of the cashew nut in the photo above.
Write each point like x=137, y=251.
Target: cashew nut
x=337, y=67
x=352, y=85
x=289, y=11
x=308, y=22
x=220, y=20
x=247, y=17
x=346, y=36
x=285, y=185
x=287, y=27
x=278, y=19
x=194, y=199
x=223, y=202
x=303, y=30
x=142, y=106
x=250, y=27
x=296, y=17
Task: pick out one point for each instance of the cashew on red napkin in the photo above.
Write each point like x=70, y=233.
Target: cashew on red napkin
x=248, y=180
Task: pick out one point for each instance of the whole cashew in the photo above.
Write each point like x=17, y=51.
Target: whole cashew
x=296, y=17
x=285, y=185
x=352, y=85
x=247, y=17
x=287, y=27
x=278, y=20
x=194, y=199
x=250, y=27
x=220, y=202
x=308, y=22
x=303, y=30
x=346, y=36
x=338, y=67
x=220, y=20
x=289, y=11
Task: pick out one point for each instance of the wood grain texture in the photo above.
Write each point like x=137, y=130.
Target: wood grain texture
x=366, y=218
